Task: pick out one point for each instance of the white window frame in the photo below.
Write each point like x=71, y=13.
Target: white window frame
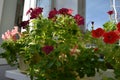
x=28, y=4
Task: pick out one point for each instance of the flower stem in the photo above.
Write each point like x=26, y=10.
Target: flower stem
x=31, y=72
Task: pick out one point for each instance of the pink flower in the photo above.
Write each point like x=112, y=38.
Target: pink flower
x=74, y=49
x=4, y=37
x=79, y=19
x=10, y=34
x=14, y=31
x=70, y=11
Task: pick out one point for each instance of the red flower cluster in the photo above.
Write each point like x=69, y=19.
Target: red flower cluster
x=65, y=11
x=24, y=24
x=97, y=33
x=108, y=37
x=34, y=13
x=79, y=19
x=52, y=13
x=47, y=49
x=110, y=12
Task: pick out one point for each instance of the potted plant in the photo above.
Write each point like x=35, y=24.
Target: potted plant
x=108, y=40
x=54, y=47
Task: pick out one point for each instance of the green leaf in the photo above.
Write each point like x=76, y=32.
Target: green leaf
x=108, y=26
x=58, y=64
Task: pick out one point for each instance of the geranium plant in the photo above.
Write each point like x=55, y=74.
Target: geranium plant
x=10, y=45
x=54, y=47
x=108, y=40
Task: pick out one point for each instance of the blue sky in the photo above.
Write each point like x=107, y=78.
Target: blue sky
x=96, y=10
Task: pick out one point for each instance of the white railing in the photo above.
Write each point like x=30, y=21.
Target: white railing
x=115, y=5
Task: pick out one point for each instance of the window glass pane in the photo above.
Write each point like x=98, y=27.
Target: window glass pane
x=67, y=4
x=46, y=5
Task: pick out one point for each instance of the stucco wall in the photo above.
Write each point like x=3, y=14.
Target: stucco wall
x=1, y=8
x=8, y=15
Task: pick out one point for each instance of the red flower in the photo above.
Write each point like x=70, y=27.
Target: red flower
x=79, y=19
x=65, y=11
x=96, y=49
x=52, y=13
x=97, y=33
x=118, y=25
x=110, y=37
x=70, y=11
x=29, y=11
x=47, y=49
x=119, y=30
x=24, y=23
x=34, y=13
x=110, y=12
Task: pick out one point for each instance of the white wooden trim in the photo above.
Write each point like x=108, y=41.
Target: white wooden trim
x=27, y=5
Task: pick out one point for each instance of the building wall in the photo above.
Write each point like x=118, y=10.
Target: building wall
x=1, y=8
x=7, y=18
